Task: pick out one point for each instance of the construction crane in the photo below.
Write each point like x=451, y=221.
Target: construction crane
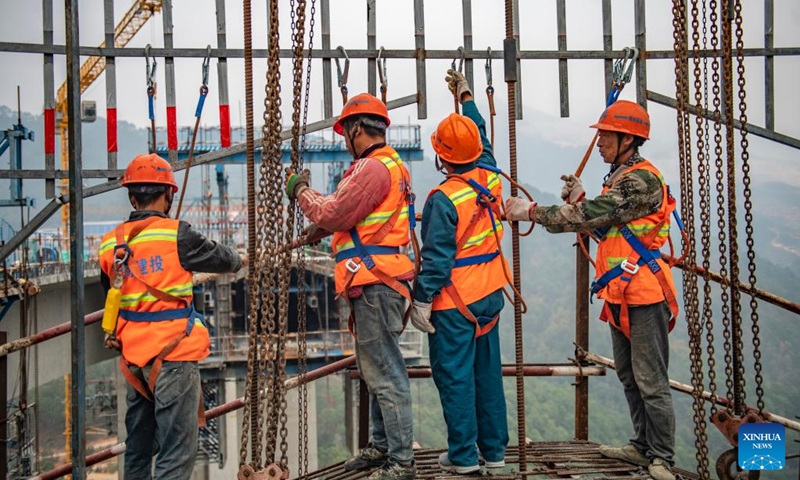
x=134, y=19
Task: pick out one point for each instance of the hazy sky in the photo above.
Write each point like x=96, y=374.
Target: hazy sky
x=194, y=26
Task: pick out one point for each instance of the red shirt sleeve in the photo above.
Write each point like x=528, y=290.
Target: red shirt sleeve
x=363, y=187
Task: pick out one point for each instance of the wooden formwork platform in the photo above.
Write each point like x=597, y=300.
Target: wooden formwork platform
x=579, y=460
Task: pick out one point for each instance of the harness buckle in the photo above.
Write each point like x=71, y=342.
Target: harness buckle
x=629, y=267
x=352, y=266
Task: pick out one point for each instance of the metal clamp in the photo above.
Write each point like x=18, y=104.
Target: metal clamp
x=341, y=76
x=623, y=67
x=629, y=267
x=150, y=72
x=488, y=68
x=352, y=266
x=206, y=62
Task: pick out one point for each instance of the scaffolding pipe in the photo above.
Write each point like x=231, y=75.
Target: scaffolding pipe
x=215, y=412
x=684, y=388
x=545, y=370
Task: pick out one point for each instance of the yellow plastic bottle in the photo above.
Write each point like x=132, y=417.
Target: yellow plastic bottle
x=111, y=311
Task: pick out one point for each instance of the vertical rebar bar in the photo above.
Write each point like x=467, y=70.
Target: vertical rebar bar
x=78, y=390
x=640, y=30
x=327, y=76
x=608, y=45
x=769, y=65
x=111, y=87
x=419, y=45
x=372, y=71
x=466, y=13
x=563, y=73
x=510, y=45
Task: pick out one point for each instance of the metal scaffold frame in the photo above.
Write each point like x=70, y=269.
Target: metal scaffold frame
x=511, y=54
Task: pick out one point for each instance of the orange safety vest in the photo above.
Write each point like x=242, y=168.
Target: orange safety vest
x=147, y=324
x=629, y=269
x=480, y=268
x=370, y=252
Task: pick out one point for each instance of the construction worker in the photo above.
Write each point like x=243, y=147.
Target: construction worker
x=159, y=333
x=368, y=215
x=631, y=218
x=458, y=294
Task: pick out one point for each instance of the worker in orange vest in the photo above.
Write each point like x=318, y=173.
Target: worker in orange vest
x=150, y=258
x=631, y=218
x=458, y=295
x=369, y=217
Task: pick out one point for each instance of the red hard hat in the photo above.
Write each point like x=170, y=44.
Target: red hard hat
x=362, y=104
x=626, y=117
x=457, y=140
x=149, y=168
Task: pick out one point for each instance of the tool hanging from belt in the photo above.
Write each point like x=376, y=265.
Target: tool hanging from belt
x=341, y=76
x=150, y=74
x=123, y=251
x=198, y=112
x=484, y=199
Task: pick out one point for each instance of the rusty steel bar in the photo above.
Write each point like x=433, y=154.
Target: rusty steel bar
x=215, y=412
x=757, y=292
x=684, y=388
x=546, y=370
x=582, y=276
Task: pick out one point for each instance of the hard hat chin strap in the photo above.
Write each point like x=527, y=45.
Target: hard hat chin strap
x=620, y=136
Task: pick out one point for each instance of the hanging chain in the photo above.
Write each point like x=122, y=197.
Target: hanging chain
x=704, y=172
x=301, y=285
x=748, y=204
x=720, y=188
x=733, y=244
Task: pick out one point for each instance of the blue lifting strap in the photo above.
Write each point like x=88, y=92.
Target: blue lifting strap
x=370, y=249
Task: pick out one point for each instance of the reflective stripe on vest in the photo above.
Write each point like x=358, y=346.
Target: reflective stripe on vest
x=643, y=287
x=478, y=269
x=154, y=259
x=395, y=264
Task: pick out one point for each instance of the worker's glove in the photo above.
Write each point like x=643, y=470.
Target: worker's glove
x=572, y=192
x=313, y=234
x=296, y=183
x=518, y=209
x=421, y=317
x=112, y=343
x=457, y=83
x=244, y=257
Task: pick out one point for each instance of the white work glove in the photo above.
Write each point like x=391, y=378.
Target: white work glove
x=421, y=317
x=572, y=192
x=457, y=83
x=518, y=209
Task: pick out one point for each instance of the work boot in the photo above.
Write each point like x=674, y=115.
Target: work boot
x=660, y=470
x=446, y=465
x=369, y=457
x=391, y=470
x=628, y=453
x=489, y=464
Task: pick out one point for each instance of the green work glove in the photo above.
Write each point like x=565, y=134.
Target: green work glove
x=457, y=84
x=296, y=183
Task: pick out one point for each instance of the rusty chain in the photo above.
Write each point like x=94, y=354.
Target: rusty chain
x=690, y=289
x=748, y=204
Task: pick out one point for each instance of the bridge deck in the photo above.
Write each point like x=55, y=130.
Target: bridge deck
x=545, y=460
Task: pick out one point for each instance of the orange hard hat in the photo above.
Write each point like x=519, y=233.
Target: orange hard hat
x=362, y=104
x=149, y=168
x=626, y=117
x=457, y=140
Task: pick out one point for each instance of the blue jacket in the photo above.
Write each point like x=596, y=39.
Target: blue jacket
x=439, y=243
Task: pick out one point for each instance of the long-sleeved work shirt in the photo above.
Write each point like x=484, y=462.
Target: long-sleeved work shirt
x=440, y=221
x=196, y=253
x=632, y=195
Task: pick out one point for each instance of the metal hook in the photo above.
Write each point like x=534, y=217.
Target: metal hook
x=382, y=68
x=342, y=77
x=489, y=66
x=460, y=59
x=151, y=72
x=634, y=55
x=206, y=62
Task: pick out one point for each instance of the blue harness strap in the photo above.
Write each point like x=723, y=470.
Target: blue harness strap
x=361, y=250
x=646, y=257
x=475, y=259
x=164, y=316
x=369, y=249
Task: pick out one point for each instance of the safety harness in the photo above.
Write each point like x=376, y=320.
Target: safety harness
x=123, y=251
x=641, y=255
x=362, y=251
x=484, y=199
